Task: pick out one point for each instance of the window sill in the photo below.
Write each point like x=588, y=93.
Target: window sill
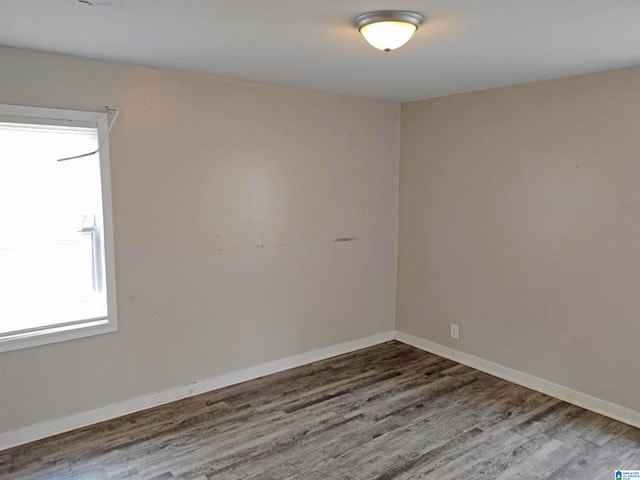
x=56, y=334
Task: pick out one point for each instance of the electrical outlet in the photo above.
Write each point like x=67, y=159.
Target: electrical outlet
x=455, y=331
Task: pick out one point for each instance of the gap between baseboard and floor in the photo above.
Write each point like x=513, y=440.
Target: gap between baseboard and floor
x=71, y=422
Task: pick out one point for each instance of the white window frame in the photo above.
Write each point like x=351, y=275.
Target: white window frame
x=89, y=327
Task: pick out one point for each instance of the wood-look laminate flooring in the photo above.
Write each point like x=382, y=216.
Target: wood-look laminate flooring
x=385, y=412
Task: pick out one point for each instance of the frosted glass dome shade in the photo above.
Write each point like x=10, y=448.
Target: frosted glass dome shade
x=388, y=36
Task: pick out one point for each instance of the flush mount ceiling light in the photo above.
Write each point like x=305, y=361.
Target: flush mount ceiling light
x=388, y=29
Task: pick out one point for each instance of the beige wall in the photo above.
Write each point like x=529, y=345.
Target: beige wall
x=227, y=199
x=520, y=221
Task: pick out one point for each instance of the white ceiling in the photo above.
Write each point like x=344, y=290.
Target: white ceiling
x=464, y=45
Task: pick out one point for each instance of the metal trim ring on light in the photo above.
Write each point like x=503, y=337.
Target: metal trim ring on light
x=406, y=16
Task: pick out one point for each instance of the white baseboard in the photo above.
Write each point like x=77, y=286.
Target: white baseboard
x=598, y=405
x=60, y=425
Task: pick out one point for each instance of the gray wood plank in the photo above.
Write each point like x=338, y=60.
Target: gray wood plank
x=381, y=413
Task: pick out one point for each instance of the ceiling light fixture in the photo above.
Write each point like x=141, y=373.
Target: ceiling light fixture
x=388, y=29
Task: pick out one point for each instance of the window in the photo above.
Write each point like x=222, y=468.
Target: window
x=56, y=242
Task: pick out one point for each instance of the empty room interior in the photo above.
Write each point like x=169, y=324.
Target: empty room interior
x=323, y=239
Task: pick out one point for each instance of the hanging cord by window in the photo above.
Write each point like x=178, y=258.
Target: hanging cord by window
x=100, y=143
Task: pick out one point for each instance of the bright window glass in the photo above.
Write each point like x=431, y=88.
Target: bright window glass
x=52, y=241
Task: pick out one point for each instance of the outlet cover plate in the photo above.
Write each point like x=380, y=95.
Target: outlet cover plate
x=455, y=331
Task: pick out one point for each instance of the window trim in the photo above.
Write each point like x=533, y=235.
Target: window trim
x=87, y=327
